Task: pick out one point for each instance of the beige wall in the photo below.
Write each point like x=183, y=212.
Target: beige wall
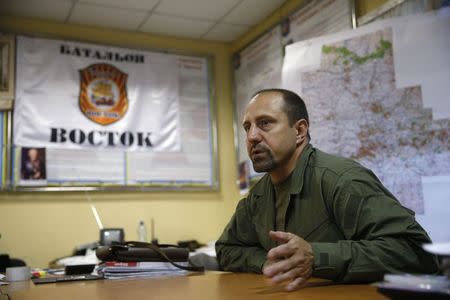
x=39, y=227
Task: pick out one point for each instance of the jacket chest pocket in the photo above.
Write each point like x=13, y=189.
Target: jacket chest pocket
x=309, y=219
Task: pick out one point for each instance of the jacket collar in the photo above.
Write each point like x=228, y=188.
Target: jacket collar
x=261, y=188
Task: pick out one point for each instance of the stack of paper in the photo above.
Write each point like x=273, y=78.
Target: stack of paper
x=117, y=270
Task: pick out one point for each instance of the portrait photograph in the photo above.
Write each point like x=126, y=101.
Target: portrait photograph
x=33, y=164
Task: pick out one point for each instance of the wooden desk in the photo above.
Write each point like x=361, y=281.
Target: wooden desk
x=210, y=286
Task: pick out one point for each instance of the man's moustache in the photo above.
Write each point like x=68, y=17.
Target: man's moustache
x=259, y=148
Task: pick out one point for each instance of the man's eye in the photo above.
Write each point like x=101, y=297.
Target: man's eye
x=264, y=123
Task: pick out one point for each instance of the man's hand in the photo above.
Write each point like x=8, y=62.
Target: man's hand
x=291, y=261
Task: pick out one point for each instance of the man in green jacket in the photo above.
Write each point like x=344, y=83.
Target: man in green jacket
x=314, y=214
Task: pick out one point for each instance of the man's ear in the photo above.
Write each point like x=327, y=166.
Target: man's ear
x=302, y=130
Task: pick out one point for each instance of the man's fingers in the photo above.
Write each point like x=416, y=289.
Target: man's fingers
x=277, y=267
x=289, y=275
x=284, y=266
x=290, y=262
x=280, y=236
x=296, y=284
x=282, y=251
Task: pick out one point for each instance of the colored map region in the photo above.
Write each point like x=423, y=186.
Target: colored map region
x=357, y=111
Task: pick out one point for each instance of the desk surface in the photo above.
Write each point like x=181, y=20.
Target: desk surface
x=211, y=286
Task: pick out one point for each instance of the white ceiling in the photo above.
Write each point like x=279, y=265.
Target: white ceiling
x=214, y=20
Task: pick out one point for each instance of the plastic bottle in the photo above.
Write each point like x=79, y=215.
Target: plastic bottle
x=142, y=231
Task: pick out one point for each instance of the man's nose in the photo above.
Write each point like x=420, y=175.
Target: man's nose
x=253, y=134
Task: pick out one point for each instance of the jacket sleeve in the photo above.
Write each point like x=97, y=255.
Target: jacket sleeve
x=381, y=236
x=238, y=248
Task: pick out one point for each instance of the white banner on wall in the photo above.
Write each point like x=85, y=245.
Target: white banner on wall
x=73, y=95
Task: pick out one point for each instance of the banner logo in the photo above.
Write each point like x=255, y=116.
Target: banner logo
x=103, y=93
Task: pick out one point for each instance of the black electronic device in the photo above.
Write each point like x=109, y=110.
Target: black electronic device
x=111, y=235
x=414, y=287
x=407, y=293
x=192, y=245
x=79, y=269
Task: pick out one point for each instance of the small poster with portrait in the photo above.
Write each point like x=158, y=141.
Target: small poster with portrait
x=33, y=167
x=244, y=177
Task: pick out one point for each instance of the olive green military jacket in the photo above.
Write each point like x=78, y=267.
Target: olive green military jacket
x=357, y=229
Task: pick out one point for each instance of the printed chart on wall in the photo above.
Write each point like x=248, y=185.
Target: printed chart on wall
x=379, y=94
x=93, y=115
x=258, y=66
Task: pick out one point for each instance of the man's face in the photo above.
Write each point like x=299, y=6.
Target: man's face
x=33, y=154
x=271, y=142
